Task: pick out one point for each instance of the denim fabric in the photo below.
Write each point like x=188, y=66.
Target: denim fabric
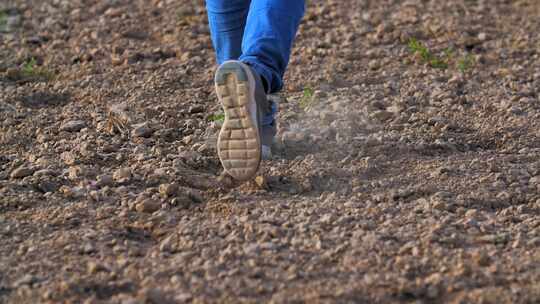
x=258, y=32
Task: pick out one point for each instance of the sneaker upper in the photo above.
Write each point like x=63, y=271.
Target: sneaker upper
x=266, y=110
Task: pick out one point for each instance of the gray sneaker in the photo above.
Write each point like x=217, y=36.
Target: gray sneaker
x=240, y=141
x=267, y=138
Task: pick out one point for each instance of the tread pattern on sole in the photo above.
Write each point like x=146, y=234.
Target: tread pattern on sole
x=238, y=143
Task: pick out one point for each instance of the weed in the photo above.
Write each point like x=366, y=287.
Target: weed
x=3, y=21
x=465, y=63
x=416, y=47
x=307, y=97
x=434, y=61
x=217, y=117
x=29, y=67
x=30, y=71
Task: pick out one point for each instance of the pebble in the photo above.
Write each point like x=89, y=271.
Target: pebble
x=182, y=201
x=22, y=172
x=148, y=206
x=261, y=182
x=154, y=296
x=27, y=279
x=122, y=175
x=94, y=267
x=45, y=172
x=168, y=190
x=142, y=130
x=196, y=109
x=168, y=244
x=73, y=126
x=104, y=180
x=382, y=115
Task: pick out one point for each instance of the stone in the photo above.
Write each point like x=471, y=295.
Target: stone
x=122, y=175
x=27, y=279
x=148, y=206
x=168, y=244
x=142, y=130
x=46, y=185
x=154, y=296
x=196, y=109
x=182, y=201
x=88, y=248
x=73, y=126
x=104, y=180
x=382, y=115
x=168, y=190
x=94, y=267
x=261, y=182
x=22, y=172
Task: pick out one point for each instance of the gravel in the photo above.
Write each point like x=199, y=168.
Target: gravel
x=393, y=180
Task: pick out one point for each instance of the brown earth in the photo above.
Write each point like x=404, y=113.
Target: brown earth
x=402, y=173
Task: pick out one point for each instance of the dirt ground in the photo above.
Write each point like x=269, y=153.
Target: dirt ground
x=406, y=168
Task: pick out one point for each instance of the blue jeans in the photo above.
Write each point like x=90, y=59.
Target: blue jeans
x=257, y=32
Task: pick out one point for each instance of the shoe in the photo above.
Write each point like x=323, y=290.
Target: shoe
x=239, y=89
x=267, y=139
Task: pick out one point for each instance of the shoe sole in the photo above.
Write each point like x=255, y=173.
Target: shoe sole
x=239, y=142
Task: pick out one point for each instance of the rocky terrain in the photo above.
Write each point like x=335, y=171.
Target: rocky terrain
x=406, y=168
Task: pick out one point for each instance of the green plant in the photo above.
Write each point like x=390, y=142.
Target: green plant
x=3, y=21
x=30, y=71
x=29, y=67
x=437, y=62
x=217, y=117
x=307, y=97
x=465, y=63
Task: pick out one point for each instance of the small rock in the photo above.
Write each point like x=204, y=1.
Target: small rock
x=69, y=158
x=534, y=242
x=261, y=182
x=22, y=172
x=88, y=248
x=93, y=267
x=195, y=195
x=442, y=201
x=196, y=109
x=45, y=172
x=122, y=175
x=168, y=190
x=142, y=130
x=27, y=279
x=148, y=206
x=182, y=201
x=73, y=126
x=482, y=36
x=534, y=180
x=482, y=258
x=155, y=296
x=168, y=244
x=382, y=115
x=45, y=186
x=104, y=180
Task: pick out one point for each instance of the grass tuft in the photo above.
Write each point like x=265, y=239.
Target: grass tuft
x=3, y=21
x=217, y=117
x=434, y=61
x=463, y=64
x=307, y=97
x=29, y=71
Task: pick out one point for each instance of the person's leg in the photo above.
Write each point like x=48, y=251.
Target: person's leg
x=241, y=86
x=268, y=38
x=227, y=20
